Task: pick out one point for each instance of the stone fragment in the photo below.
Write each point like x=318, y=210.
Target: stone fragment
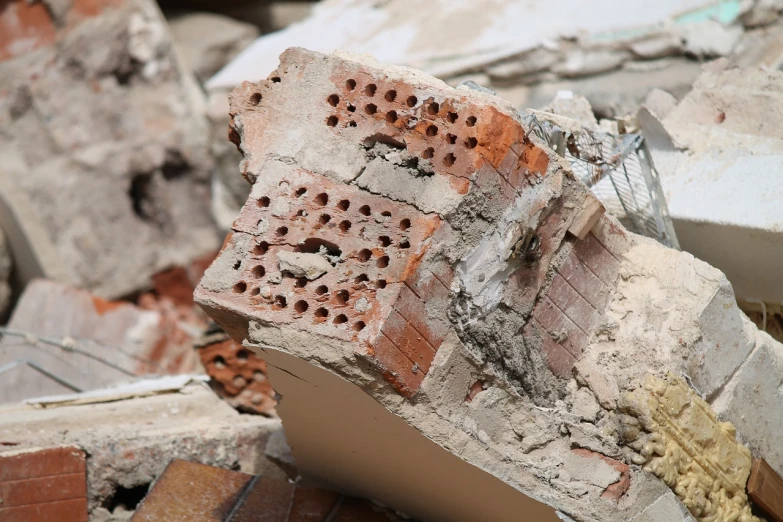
x=658, y=46
x=709, y=38
x=206, y=41
x=309, y=266
x=98, y=107
x=585, y=62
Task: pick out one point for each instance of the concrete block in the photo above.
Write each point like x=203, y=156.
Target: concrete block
x=752, y=401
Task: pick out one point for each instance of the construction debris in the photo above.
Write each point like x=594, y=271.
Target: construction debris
x=94, y=104
x=186, y=492
x=84, y=342
x=463, y=307
x=124, y=437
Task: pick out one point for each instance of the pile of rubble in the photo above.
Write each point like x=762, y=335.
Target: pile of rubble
x=461, y=325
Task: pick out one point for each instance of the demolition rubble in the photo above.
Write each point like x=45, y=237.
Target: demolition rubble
x=438, y=298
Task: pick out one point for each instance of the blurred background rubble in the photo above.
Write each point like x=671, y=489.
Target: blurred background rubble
x=118, y=182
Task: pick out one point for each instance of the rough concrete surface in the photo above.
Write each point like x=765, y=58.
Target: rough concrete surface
x=105, y=132
x=130, y=442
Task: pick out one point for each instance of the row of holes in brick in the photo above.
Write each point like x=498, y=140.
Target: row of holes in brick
x=433, y=108
x=322, y=200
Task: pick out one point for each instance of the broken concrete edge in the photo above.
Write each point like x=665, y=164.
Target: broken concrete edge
x=129, y=441
x=517, y=414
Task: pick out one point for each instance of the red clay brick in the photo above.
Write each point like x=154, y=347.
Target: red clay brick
x=598, y=259
x=43, y=463
x=584, y=281
x=614, y=491
x=408, y=340
x=414, y=311
x=59, y=511
x=42, y=490
x=558, y=359
x=558, y=325
x=396, y=367
x=311, y=505
x=572, y=304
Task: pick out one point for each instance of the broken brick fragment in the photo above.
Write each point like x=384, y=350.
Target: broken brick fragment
x=238, y=374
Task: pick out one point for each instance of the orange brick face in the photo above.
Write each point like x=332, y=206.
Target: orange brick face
x=44, y=485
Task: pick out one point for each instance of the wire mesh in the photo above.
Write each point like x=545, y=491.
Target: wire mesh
x=620, y=172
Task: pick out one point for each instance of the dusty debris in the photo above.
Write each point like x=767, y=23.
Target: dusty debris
x=84, y=342
x=98, y=107
x=497, y=287
x=129, y=441
x=309, y=266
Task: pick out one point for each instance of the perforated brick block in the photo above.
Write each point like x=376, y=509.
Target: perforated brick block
x=417, y=207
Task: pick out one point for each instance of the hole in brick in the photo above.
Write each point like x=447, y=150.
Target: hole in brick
x=390, y=95
x=324, y=219
x=256, y=98
x=261, y=248
x=365, y=210
x=428, y=153
x=280, y=301
x=259, y=376
x=263, y=202
x=370, y=90
x=350, y=84
x=340, y=319
x=381, y=283
x=301, y=191
x=382, y=262
x=405, y=243
x=322, y=199
x=237, y=264
x=301, y=282
x=432, y=130
x=333, y=100
x=219, y=362
x=314, y=245
x=361, y=278
x=321, y=313
x=411, y=101
x=471, y=121
x=391, y=116
x=255, y=291
x=351, y=108
x=239, y=381
x=301, y=213
x=433, y=108
x=359, y=326
x=385, y=240
x=331, y=121
x=344, y=205
x=364, y=255
x=371, y=108
x=345, y=226
x=259, y=271
x=282, y=231
x=342, y=297
x=471, y=143
x=449, y=159
x=276, y=79
x=322, y=289
x=352, y=123
x=451, y=138
x=386, y=214
x=243, y=355
x=240, y=287
x=301, y=307
x=405, y=224
x=452, y=117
